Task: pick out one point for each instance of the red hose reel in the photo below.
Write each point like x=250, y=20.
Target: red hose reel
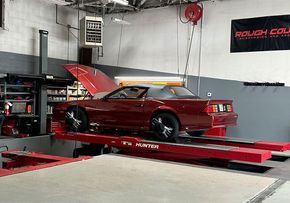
x=193, y=13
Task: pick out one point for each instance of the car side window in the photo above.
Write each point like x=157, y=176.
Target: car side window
x=129, y=93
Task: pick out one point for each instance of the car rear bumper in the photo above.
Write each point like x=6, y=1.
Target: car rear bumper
x=212, y=120
x=224, y=119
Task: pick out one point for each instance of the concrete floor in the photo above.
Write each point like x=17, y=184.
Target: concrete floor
x=280, y=195
x=278, y=169
x=115, y=178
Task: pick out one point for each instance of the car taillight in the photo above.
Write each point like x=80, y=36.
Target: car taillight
x=211, y=109
x=230, y=108
x=216, y=108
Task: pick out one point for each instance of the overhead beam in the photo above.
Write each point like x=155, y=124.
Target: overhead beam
x=142, y=2
x=135, y=5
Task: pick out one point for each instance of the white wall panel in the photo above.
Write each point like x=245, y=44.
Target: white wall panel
x=218, y=62
x=150, y=42
x=26, y=17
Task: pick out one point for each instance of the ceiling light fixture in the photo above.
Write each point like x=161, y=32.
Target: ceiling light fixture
x=123, y=2
x=60, y=2
x=120, y=21
x=141, y=78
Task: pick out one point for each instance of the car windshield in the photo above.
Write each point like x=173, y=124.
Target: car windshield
x=128, y=93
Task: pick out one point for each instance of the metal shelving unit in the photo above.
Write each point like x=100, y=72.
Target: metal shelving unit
x=19, y=93
x=55, y=94
x=52, y=101
x=76, y=92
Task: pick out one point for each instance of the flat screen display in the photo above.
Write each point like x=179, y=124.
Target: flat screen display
x=18, y=107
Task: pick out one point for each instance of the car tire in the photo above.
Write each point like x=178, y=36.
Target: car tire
x=165, y=127
x=197, y=133
x=77, y=119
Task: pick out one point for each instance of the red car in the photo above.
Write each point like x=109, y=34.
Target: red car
x=162, y=109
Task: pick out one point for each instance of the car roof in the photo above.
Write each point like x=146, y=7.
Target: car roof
x=159, y=91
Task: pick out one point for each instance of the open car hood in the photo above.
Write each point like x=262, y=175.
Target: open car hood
x=93, y=80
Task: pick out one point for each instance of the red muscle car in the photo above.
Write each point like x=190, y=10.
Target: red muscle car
x=161, y=109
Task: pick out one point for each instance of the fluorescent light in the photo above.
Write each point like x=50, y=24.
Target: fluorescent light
x=123, y=2
x=141, y=78
x=60, y=2
x=120, y=21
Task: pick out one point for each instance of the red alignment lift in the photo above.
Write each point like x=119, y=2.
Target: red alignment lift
x=211, y=147
x=23, y=161
x=238, y=142
x=185, y=148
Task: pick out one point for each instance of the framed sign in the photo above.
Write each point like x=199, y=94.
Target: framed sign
x=261, y=34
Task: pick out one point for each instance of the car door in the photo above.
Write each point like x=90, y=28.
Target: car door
x=124, y=108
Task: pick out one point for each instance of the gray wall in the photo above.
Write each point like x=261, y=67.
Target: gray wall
x=263, y=111
x=27, y=64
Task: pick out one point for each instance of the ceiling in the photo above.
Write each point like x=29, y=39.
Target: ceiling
x=107, y=6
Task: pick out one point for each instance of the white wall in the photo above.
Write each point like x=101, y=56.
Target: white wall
x=218, y=62
x=156, y=39
x=150, y=42
x=23, y=20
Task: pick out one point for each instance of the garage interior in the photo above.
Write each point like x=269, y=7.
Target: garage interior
x=58, y=55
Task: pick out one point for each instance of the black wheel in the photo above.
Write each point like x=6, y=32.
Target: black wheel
x=197, y=133
x=77, y=119
x=165, y=127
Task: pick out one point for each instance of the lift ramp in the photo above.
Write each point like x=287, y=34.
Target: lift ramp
x=238, y=142
x=185, y=148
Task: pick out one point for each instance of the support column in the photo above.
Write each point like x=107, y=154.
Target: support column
x=43, y=63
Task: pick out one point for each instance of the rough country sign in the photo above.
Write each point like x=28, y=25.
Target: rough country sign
x=261, y=34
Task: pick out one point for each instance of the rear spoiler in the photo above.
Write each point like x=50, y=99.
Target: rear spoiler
x=210, y=102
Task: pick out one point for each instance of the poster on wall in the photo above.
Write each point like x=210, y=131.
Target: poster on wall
x=261, y=34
